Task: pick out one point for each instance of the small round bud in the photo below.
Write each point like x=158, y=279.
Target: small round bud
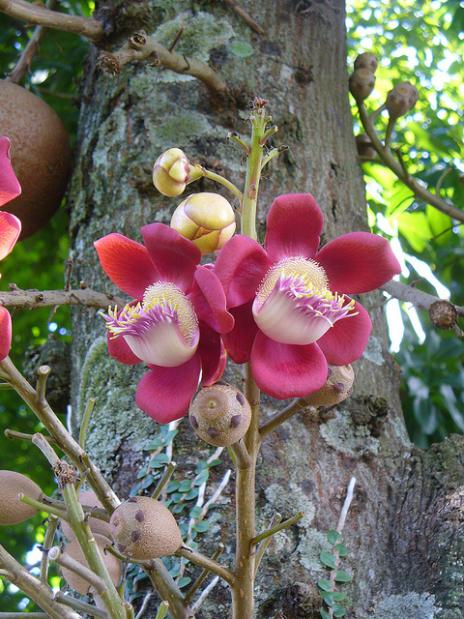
x=401, y=99
x=143, y=528
x=74, y=551
x=337, y=388
x=220, y=415
x=12, y=509
x=362, y=83
x=88, y=498
x=443, y=314
x=364, y=146
x=366, y=61
x=171, y=172
x=207, y=219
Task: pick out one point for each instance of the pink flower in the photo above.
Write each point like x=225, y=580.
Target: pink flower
x=10, y=228
x=292, y=315
x=174, y=325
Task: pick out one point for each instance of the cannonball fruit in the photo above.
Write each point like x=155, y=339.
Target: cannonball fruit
x=220, y=415
x=337, y=388
x=366, y=61
x=40, y=155
x=74, y=551
x=143, y=528
x=401, y=99
x=362, y=83
x=88, y=498
x=12, y=510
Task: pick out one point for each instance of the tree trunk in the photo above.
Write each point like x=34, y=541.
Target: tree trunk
x=404, y=529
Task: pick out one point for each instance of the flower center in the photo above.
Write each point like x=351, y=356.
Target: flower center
x=161, y=330
x=293, y=304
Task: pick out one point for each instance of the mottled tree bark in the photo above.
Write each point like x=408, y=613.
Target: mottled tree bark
x=404, y=530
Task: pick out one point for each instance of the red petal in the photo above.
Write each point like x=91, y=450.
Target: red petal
x=165, y=393
x=347, y=339
x=119, y=350
x=286, y=370
x=5, y=332
x=10, y=229
x=240, y=340
x=358, y=262
x=174, y=256
x=127, y=263
x=213, y=355
x=241, y=266
x=209, y=300
x=294, y=224
x=9, y=184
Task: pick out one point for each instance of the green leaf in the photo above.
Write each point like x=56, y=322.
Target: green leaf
x=339, y=596
x=324, y=584
x=201, y=527
x=327, y=559
x=339, y=611
x=342, y=550
x=327, y=597
x=324, y=614
x=184, y=581
x=333, y=536
x=242, y=49
x=342, y=576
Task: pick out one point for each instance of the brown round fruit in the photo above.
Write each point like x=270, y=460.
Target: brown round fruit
x=366, y=61
x=220, y=415
x=361, y=83
x=88, y=498
x=337, y=388
x=74, y=551
x=40, y=155
x=12, y=510
x=143, y=528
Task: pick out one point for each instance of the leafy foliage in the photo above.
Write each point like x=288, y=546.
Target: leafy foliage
x=422, y=44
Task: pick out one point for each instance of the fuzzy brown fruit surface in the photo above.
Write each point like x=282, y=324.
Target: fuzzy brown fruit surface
x=220, y=415
x=74, y=551
x=12, y=510
x=362, y=83
x=366, y=61
x=88, y=498
x=143, y=528
x=40, y=154
x=337, y=388
x=401, y=99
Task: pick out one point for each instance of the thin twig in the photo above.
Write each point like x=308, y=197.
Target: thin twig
x=399, y=168
x=169, y=470
x=206, y=562
x=417, y=297
x=85, y=421
x=41, y=387
x=277, y=527
x=79, y=605
x=293, y=408
x=23, y=436
x=205, y=594
x=265, y=543
x=29, y=299
x=38, y=14
x=234, y=5
x=203, y=576
x=144, y=606
x=47, y=544
x=78, y=568
x=25, y=60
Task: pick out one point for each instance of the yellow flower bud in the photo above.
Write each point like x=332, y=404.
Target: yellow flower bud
x=171, y=172
x=207, y=219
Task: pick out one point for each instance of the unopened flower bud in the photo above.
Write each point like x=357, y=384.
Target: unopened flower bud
x=443, y=314
x=337, y=388
x=171, y=172
x=362, y=83
x=364, y=146
x=220, y=415
x=401, y=99
x=366, y=61
x=207, y=219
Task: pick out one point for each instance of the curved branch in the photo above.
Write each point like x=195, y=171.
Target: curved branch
x=37, y=14
x=417, y=297
x=48, y=298
x=141, y=47
x=401, y=172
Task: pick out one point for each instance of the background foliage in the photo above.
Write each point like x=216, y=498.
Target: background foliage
x=421, y=42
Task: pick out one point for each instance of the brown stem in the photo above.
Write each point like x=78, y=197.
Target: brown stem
x=389, y=160
x=37, y=14
x=209, y=564
x=142, y=47
x=25, y=60
x=48, y=298
x=34, y=588
x=417, y=297
x=289, y=411
x=234, y=5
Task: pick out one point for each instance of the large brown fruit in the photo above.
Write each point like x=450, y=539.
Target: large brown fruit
x=12, y=510
x=40, y=155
